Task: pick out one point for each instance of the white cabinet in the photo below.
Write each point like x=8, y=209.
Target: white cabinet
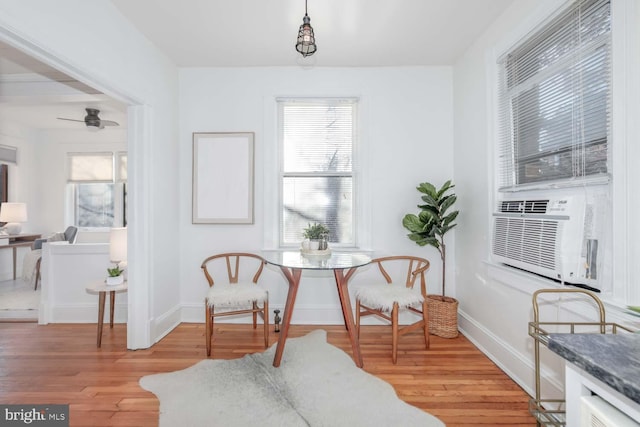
x=622, y=412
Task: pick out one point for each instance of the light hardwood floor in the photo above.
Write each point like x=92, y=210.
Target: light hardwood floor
x=59, y=364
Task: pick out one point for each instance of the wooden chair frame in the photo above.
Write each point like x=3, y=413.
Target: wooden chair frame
x=416, y=268
x=232, y=260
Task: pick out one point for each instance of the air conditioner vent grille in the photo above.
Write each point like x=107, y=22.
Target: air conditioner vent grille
x=531, y=241
x=523, y=206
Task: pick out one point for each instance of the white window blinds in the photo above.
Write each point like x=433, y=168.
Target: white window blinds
x=317, y=140
x=91, y=167
x=122, y=167
x=554, y=100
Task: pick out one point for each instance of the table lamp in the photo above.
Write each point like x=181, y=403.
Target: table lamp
x=118, y=246
x=118, y=249
x=13, y=214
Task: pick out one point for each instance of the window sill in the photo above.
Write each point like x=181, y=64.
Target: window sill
x=528, y=283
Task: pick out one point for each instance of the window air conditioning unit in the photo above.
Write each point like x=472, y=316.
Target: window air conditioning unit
x=553, y=237
x=596, y=412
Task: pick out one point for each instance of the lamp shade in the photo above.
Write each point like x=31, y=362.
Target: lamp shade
x=13, y=214
x=118, y=244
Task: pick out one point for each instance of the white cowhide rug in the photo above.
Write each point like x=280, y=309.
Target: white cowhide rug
x=316, y=384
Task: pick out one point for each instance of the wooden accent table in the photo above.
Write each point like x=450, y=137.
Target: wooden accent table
x=293, y=262
x=102, y=288
x=16, y=241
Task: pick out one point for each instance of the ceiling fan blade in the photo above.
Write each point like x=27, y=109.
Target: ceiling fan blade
x=71, y=120
x=108, y=123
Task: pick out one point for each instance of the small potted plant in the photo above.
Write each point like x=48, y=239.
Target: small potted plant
x=316, y=233
x=115, y=276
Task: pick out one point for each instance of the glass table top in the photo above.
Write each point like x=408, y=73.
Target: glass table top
x=331, y=261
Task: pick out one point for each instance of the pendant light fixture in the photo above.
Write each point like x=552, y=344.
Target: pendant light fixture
x=306, y=44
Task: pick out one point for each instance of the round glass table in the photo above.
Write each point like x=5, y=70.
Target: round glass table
x=343, y=264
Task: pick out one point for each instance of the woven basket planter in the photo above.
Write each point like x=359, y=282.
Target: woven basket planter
x=443, y=316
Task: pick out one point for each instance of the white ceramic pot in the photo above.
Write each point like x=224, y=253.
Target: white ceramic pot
x=117, y=280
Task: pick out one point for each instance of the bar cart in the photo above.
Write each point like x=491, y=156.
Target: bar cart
x=551, y=412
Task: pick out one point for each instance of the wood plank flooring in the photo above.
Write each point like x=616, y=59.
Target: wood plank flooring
x=60, y=364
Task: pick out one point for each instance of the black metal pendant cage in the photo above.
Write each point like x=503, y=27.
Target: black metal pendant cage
x=306, y=44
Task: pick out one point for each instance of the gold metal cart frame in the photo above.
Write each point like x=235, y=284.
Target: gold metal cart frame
x=539, y=407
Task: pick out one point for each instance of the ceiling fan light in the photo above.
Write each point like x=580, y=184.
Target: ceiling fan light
x=92, y=121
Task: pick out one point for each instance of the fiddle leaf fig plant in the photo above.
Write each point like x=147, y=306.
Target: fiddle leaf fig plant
x=434, y=219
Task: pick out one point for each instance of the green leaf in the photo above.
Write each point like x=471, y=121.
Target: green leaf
x=427, y=216
x=412, y=223
x=433, y=242
x=429, y=200
x=420, y=240
x=450, y=218
x=115, y=271
x=445, y=187
x=428, y=188
x=447, y=228
x=447, y=202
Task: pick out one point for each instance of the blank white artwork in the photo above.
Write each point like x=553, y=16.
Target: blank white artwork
x=223, y=178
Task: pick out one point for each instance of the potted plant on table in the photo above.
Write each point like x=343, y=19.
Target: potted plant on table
x=429, y=228
x=317, y=235
x=115, y=276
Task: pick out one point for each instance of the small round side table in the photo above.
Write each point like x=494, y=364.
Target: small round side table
x=101, y=288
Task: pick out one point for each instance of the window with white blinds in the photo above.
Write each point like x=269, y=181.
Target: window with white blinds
x=316, y=167
x=94, y=199
x=554, y=100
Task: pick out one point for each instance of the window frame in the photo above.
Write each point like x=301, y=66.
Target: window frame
x=119, y=190
x=356, y=162
x=506, y=149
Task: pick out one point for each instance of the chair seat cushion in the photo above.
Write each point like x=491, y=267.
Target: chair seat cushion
x=381, y=296
x=29, y=265
x=236, y=294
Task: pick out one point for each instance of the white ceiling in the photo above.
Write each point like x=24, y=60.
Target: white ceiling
x=241, y=33
x=349, y=33
x=35, y=95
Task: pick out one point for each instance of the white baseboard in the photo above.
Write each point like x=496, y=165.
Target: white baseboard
x=162, y=325
x=19, y=314
x=86, y=313
x=520, y=368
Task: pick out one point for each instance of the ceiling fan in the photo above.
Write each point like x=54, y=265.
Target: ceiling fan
x=92, y=120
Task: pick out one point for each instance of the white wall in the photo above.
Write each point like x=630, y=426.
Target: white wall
x=496, y=305
x=406, y=138
x=92, y=42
